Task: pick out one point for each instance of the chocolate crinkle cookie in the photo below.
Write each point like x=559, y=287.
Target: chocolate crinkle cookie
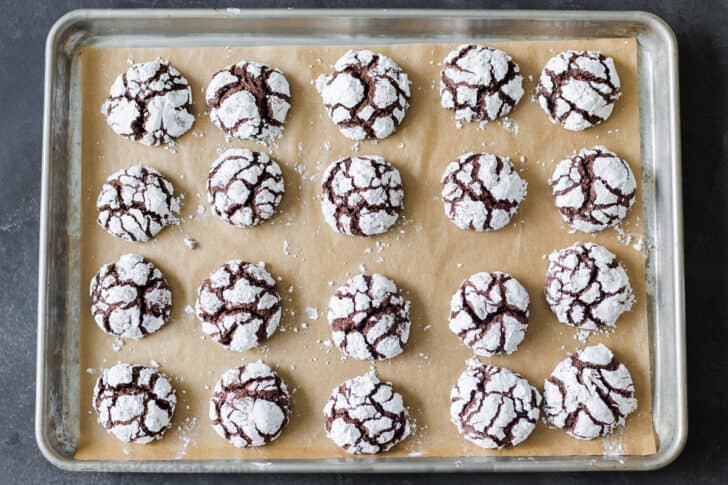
x=362, y=196
x=134, y=403
x=480, y=83
x=587, y=287
x=589, y=394
x=244, y=187
x=489, y=313
x=482, y=191
x=136, y=203
x=250, y=405
x=365, y=416
x=369, y=319
x=239, y=305
x=150, y=103
x=249, y=101
x=593, y=189
x=130, y=298
x=494, y=407
x=367, y=95
x=578, y=89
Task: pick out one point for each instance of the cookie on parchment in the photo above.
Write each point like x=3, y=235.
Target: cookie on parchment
x=578, y=89
x=239, y=305
x=134, y=403
x=482, y=191
x=587, y=286
x=130, y=298
x=136, y=203
x=369, y=319
x=249, y=101
x=250, y=405
x=362, y=196
x=494, y=407
x=489, y=312
x=367, y=95
x=150, y=103
x=480, y=83
x=589, y=394
x=366, y=416
x=244, y=187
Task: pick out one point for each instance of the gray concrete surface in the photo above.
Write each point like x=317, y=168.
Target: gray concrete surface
x=703, y=39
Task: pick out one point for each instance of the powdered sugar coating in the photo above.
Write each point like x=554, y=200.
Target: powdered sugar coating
x=369, y=319
x=244, y=187
x=249, y=101
x=365, y=416
x=489, y=313
x=367, y=95
x=134, y=403
x=150, y=103
x=589, y=394
x=593, y=189
x=362, y=196
x=136, y=203
x=482, y=191
x=578, y=89
x=587, y=286
x=239, y=305
x=130, y=298
x=250, y=405
x=494, y=407
x=480, y=83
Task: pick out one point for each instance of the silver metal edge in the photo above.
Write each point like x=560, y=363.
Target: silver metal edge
x=661, y=459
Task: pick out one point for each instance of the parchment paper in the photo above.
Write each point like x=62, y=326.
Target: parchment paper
x=426, y=254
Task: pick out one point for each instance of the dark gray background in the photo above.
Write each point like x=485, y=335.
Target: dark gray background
x=703, y=40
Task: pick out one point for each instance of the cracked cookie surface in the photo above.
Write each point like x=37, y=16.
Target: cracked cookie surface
x=480, y=83
x=362, y=196
x=239, y=305
x=250, y=405
x=130, y=298
x=136, y=203
x=489, y=312
x=369, y=319
x=593, y=189
x=366, y=416
x=244, y=187
x=150, y=103
x=367, y=95
x=481, y=191
x=587, y=286
x=578, y=89
x=134, y=403
x=589, y=394
x=249, y=101
x=494, y=407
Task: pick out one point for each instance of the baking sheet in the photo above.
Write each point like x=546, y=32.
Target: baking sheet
x=426, y=254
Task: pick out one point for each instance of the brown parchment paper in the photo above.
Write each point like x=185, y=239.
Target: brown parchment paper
x=426, y=254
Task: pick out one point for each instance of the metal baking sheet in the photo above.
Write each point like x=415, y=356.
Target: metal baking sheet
x=57, y=406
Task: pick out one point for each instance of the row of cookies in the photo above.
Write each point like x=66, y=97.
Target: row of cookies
x=364, y=195
x=588, y=395
x=366, y=95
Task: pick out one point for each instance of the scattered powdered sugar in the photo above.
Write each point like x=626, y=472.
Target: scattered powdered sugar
x=190, y=242
x=311, y=313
